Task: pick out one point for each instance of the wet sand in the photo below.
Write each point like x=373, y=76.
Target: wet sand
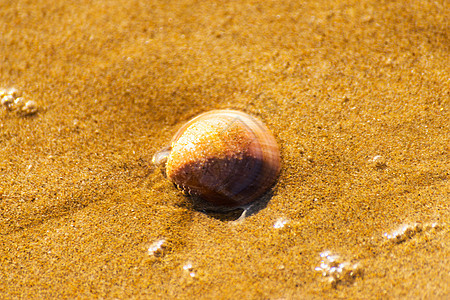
x=356, y=93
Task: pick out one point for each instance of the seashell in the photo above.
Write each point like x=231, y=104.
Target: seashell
x=225, y=157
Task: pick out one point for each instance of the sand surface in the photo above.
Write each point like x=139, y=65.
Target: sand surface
x=356, y=93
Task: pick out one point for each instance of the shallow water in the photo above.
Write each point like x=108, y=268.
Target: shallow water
x=356, y=94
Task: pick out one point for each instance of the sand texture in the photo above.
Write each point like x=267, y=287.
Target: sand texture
x=356, y=94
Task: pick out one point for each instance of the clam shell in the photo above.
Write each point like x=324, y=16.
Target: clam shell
x=226, y=157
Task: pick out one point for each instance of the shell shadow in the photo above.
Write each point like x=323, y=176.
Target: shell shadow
x=232, y=214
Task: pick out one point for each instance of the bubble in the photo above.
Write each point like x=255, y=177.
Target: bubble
x=336, y=270
x=280, y=223
x=157, y=248
x=160, y=157
x=11, y=100
x=403, y=233
x=30, y=107
x=408, y=231
x=10, y=91
x=7, y=101
x=188, y=267
x=378, y=162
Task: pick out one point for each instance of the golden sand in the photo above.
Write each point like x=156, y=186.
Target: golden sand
x=356, y=93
